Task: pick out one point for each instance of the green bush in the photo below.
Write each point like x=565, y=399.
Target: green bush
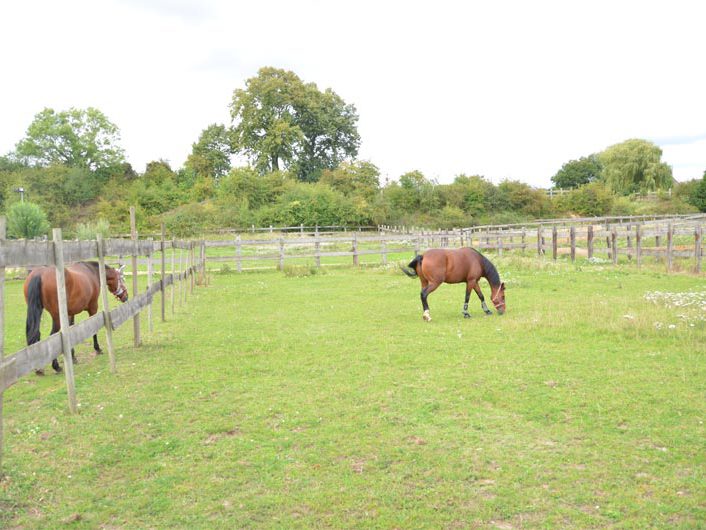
x=591, y=200
x=26, y=220
x=452, y=217
x=89, y=230
x=190, y=220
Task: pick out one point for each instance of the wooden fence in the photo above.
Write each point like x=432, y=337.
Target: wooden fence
x=24, y=254
x=664, y=239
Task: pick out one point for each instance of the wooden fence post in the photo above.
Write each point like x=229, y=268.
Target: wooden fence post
x=192, y=268
x=184, y=273
x=524, y=240
x=173, y=272
x=317, y=250
x=202, y=263
x=355, y=249
x=539, y=240
x=281, y=253
x=383, y=251
x=500, y=243
x=64, y=319
x=629, y=244
x=135, y=288
x=554, y=242
x=670, y=246
x=698, y=237
x=106, y=305
x=164, y=272
x=638, y=245
x=238, y=254
x=3, y=228
x=572, y=236
x=150, y=241
x=589, y=241
x=614, y=244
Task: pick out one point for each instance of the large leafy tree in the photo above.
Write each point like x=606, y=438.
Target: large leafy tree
x=576, y=173
x=280, y=122
x=76, y=138
x=210, y=155
x=360, y=178
x=635, y=165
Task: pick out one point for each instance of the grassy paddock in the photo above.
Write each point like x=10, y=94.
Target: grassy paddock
x=304, y=400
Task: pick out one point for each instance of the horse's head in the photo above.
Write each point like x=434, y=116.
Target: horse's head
x=497, y=295
x=116, y=283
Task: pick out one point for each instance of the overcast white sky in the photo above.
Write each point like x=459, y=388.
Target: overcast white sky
x=504, y=89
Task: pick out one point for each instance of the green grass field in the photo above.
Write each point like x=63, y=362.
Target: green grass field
x=280, y=401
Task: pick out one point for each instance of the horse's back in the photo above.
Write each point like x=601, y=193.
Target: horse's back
x=451, y=265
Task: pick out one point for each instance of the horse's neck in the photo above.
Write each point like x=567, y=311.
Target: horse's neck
x=487, y=276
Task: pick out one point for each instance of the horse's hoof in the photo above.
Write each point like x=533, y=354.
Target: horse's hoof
x=39, y=372
x=99, y=352
x=488, y=313
x=466, y=315
x=426, y=316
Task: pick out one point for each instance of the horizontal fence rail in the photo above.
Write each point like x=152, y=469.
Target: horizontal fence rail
x=594, y=238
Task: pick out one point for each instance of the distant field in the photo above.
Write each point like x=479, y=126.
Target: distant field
x=324, y=400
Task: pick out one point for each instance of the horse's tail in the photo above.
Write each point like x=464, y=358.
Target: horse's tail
x=34, y=308
x=411, y=269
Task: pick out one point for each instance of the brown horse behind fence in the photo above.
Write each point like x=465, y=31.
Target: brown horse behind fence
x=437, y=266
x=82, y=289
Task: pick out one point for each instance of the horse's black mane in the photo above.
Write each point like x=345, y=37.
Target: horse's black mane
x=489, y=270
x=94, y=266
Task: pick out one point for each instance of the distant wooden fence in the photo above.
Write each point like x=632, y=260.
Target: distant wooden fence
x=24, y=254
x=604, y=238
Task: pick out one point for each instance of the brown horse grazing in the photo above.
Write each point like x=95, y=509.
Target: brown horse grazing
x=438, y=265
x=82, y=289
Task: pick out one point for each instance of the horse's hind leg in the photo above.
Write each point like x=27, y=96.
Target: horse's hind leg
x=426, y=291
x=487, y=311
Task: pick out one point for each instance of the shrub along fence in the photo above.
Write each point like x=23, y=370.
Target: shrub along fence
x=594, y=238
x=23, y=254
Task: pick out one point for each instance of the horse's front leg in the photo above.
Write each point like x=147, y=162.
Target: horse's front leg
x=54, y=329
x=96, y=347
x=73, y=353
x=476, y=288
x=466, y=314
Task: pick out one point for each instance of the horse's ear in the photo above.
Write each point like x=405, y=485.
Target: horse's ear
x=502, y=285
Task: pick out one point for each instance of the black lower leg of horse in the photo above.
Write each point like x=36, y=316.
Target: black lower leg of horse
x=55, y=362
x=431, y=287
x=95, y=345
x=482, y=300
x=73, y=353
x=466, y=314
x=425, y=304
